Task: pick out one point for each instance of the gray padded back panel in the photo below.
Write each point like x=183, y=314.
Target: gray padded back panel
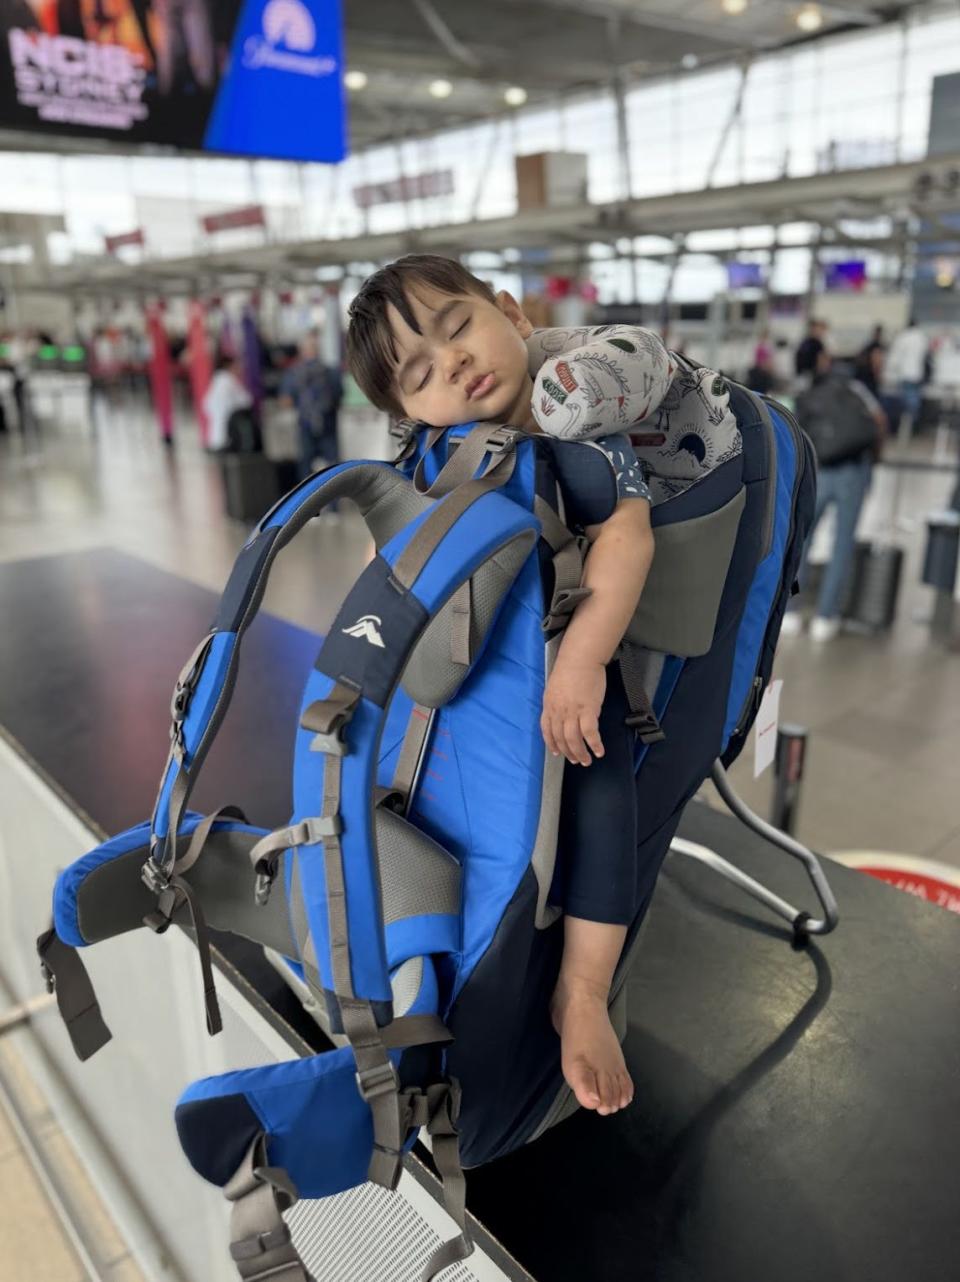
x=431, y=677
x=677, y=613
x=113, y=899
x=417, y=877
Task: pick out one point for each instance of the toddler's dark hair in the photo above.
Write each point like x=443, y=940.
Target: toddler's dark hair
x=371, y=350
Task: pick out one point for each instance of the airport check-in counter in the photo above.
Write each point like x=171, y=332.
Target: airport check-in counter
x=797, y=1111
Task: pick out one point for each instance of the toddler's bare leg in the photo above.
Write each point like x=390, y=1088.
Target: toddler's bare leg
x=591, y=1056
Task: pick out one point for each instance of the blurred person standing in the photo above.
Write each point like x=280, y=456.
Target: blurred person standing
x=846, y=425
x=21, y=350
x=811, y=349
x=316, y=391
x=225, y=395
x=870, y=362
x=186, y=48
x=906, y=366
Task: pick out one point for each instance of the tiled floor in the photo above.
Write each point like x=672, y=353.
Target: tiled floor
x=883, y=713
x=34, y=1244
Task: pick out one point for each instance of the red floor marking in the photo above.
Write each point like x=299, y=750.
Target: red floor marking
x=433, y=774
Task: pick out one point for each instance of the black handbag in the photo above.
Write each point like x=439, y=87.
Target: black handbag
x=837, y=420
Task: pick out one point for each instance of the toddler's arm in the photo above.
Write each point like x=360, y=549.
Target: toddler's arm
x=593, y=382
x=615, y=571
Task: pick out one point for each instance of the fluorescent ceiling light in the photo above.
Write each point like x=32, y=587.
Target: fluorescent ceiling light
x=689, y=61
x=441, y=88
x=516, y=96
x=735, y=7
x=355, y=80
x=809, y=17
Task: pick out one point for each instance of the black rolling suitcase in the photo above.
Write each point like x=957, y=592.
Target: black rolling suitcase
x=250, y=484
x=874, y=585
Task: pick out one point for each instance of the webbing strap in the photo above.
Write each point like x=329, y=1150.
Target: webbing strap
x=418, y=727
x=200, y=835
x=327, y=717
x=485, y=438
x=177, y=891
x=337, y=924
x=642, y=717
x=444, y=1109
x=379, y=1085
x=265, y=855
x=567, y=567
x=66, y=975
x=260, y=1242
x=445, y=515
x=415, y=1030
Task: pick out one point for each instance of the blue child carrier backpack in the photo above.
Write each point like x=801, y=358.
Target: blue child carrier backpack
x=417, y=913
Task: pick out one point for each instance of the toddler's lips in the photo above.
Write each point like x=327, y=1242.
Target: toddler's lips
x=480, y=386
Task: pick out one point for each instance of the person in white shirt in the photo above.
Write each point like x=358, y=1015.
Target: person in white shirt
x=905, y=366
x=225, y=394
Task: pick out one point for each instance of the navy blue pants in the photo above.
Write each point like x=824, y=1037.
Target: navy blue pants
x=596, y=870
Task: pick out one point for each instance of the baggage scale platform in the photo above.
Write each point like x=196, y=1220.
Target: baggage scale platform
x=797, y=1112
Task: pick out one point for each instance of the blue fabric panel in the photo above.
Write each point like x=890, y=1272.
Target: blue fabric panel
x=68, y=884
x=766, y=581
x=368, y=960
x=480, y=797
x=195, y=723
x=244, y=580
x=419, y=936
x=587, y=479
x=319, y=1128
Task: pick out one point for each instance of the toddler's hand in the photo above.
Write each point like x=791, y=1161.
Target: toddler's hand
x=571, y=710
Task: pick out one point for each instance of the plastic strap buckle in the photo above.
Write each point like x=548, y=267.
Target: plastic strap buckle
x=248, y=1248
x=380, y=1080
x=646, y=725
x=154, y=876
x=501, y=439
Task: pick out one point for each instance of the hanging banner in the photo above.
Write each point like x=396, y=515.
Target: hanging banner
x=201, y=363
x=243, y=77
x=160, y=369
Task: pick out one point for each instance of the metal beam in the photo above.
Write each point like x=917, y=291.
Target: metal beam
x=722, y=34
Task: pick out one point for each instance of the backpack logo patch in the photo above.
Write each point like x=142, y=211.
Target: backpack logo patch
x=368, y=628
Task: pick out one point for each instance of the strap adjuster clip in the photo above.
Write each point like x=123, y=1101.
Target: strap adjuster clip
x=501, y=439
x=380, y=1080
x=646, y=725
x=248, y=1248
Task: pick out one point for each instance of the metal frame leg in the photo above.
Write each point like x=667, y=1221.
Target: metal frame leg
x=802, y=922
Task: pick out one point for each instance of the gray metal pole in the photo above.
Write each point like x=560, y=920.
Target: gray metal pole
x=789, y=761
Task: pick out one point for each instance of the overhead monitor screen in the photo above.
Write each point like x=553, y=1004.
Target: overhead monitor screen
x=845, y=276
x=744, y=275
x=242, y=77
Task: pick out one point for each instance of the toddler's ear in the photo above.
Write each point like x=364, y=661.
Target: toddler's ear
x=511, y=309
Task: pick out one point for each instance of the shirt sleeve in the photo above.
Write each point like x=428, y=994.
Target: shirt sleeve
x=631, y=483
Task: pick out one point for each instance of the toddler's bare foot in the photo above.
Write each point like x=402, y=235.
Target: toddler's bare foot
x=591, y=1056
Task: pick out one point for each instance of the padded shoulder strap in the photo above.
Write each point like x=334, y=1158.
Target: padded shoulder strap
x=345, y=707
x=205, y=686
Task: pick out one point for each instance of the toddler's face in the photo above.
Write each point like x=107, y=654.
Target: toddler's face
x=469, y=363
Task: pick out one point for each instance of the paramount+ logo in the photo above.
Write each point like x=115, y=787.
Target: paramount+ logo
x=288, y=42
